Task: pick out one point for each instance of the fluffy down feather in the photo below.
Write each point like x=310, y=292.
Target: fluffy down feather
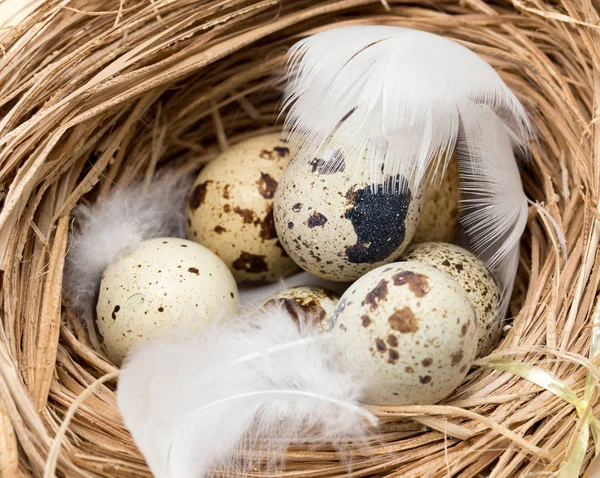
x=114, y=225
x=259, y=382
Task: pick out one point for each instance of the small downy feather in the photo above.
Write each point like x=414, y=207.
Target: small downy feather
x=403, y=99
x=247, y=387
x=114, y=225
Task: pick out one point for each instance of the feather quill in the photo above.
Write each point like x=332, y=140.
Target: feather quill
x=404, y=99
x=255, y=383
x=114, y=225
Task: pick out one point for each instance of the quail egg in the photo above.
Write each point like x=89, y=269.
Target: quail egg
x=309, y=303
x=410, y=330
x=335, y=224
x=471, y=273
x=440, y=215
x=162, y=285
x=230, y=209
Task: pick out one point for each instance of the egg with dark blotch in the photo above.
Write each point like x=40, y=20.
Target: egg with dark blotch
x=230, y=209
x=476, y=280
x=410, y=330
x=440, y=215
x=333, y=223
x=161, y=287
x=306, y=305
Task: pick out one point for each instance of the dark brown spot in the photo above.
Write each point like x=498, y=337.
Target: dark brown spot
x=427, y=362
x=463, y=369
x=282, y=152
x=266, y=186
x=417, y=283
x=232, y=295
x=459, y=267
x=392, y=340
x=393, y=356
x=316, y=219
x=266, y=154
x=115, y=310
x=404, y=321
x=267, y=226
x=194, y=270
x=290, y=225
x=250, y=263
x=456, y=357
x=333, y=165
x=247, y=214
x=378, y=217
x=297, y=207
x=161, y=309
x=463, y=329
x=227, y=208
x=366, y=320
x=226, y=192
x=446, y=263
x=380, y=345
x=424, y=380
x=220, y=229
x=376, y=295
x=198, y=195
x=409, y=369
x=183, y=245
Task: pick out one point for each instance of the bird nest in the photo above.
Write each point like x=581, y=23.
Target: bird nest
x=96, y=94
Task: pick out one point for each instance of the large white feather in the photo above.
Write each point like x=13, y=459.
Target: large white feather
x=401, y=98
x=257, y=383
x=115, y=224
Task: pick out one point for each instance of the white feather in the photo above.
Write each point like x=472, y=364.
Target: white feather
x=400, y=98
x=114, y=225
x=255, y=383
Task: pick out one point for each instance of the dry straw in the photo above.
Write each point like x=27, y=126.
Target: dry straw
x=95, y=93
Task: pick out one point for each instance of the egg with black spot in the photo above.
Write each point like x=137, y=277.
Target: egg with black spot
x=474, y=277
x=440, y=216
x=410, y=330
x=308, y=305
x=230, y=209
x=335, y=224
x=161, y=286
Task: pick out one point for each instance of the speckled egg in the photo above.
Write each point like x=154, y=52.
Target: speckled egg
x=410, y=330
x=476, y=280
x=306, y=303
x=334, y=224
x=162, y=285
x=230, y=209
x=441, y=214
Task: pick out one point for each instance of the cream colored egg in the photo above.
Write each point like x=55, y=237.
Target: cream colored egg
x=476, y=280
x=230, y=209
x=307, y=303
x=409, y=330
x=440, y=215
x=161, y=286
x=335, y=225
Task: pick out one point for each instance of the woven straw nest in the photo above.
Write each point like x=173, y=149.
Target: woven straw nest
x=95, y=93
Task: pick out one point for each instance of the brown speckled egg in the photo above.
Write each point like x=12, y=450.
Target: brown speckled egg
x=306, y=303
x=440, y=215
x=410, y=330
x=161, y=286
x=230, y=209
x=334, y=224
x=473, y=276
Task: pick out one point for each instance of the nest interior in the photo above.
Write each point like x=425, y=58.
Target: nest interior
x=97, y=93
